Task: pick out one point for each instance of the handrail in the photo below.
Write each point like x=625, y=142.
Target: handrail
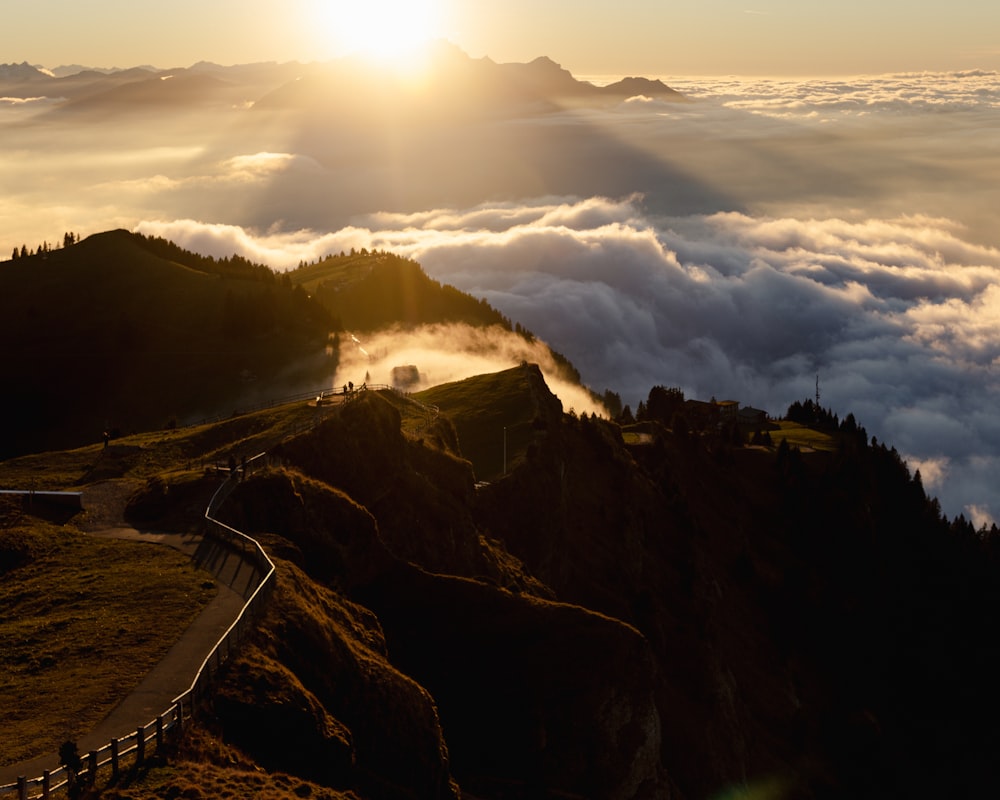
x=174, y=715
x=260, y=594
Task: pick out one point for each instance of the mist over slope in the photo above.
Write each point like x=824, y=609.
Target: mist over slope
x=121, y=333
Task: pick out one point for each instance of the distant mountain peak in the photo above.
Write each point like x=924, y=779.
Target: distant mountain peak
x=631, y=87
x=545, y=61
x=23, y=72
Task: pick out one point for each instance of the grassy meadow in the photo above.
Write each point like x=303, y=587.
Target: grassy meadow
x=84, y=619
x=803, y=436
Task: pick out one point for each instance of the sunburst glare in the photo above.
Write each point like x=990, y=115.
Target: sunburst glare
x=394, y=32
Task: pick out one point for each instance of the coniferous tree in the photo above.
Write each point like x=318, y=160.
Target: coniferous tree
x=664, y=402
x=612, y=402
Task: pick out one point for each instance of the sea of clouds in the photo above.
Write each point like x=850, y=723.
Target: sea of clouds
x=737, y=246
x=900, y=319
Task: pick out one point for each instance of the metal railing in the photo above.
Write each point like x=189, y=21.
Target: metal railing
x=250, y=550
x=182, y=706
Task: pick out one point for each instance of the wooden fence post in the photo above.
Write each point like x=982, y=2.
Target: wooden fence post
x=22, y=788
x=140, y=744
x=92, y=767
x=46, y=784
x=114, y=757
x=159, y=732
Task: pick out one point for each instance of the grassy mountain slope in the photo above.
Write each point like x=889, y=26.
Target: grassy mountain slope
x=367, y=291
x=63, y=668
x=677, y=616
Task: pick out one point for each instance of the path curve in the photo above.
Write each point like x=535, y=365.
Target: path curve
x=174, y=673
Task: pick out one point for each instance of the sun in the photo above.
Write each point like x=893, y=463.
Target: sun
x=389, y=31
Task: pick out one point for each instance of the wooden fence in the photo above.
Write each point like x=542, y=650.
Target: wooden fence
x=133, y=748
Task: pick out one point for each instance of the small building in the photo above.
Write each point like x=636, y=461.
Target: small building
x=712, y=414
x=405, y=377
x=729, y=410
x=752, y=417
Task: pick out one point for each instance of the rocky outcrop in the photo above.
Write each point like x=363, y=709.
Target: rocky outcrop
x=365, y=644
x=315, y=695
x=544, y=696
x=421, y=496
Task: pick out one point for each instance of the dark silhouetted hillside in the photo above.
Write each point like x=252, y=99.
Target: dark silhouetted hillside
x=124, y=333
x=679, y=618
x=685, y=618
x=480, y=596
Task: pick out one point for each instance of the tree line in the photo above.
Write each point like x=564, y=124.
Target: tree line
x=69, y=238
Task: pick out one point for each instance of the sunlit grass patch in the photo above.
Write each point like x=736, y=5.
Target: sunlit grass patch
x=83, y=621
x=803, y=437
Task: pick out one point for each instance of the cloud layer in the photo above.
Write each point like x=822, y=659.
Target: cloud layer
x=898, y=317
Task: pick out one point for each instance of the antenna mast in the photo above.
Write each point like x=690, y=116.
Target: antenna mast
x=817, y=390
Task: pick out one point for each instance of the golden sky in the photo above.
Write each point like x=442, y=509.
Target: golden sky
x=588, y=37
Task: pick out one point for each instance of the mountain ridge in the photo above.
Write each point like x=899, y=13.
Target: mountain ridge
x=541, y=83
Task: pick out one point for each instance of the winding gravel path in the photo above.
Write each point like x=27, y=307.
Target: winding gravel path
x=104, y=504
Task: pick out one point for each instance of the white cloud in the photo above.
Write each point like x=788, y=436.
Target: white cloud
x=446, y=353
x=979, y=516
x=858, y=96
x=25, y=101
x=898, y=316
x=278, y=249
x=264, y=164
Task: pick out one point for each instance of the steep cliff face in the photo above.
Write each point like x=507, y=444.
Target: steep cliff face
x=543, y=696
x=422, y=496
x=674, y=619
x=532, y=694
x=315, y=695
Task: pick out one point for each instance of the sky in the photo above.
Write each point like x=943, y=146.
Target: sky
x=824, y=206
x=588, y=37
